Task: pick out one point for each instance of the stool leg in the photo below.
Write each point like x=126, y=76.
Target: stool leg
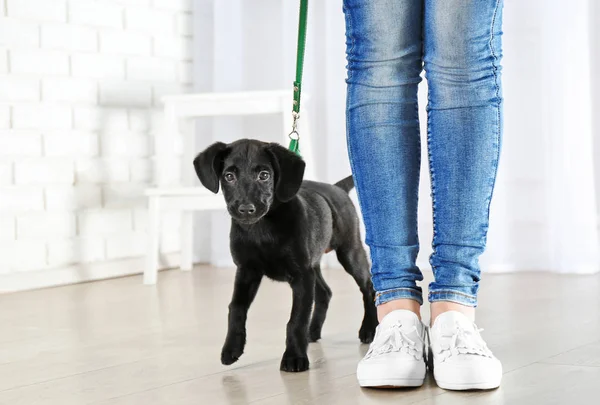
x=151, y=269
x=187, y=240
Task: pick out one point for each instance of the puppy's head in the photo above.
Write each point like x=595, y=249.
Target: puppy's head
x=253, y=175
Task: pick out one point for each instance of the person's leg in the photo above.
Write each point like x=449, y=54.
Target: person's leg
x=462, y=53
x=384, y=53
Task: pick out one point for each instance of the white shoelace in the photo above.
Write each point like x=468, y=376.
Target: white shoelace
x=461, y=341
x=394, y=339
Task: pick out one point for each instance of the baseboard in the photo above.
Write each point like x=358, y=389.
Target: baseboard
x=30, y=280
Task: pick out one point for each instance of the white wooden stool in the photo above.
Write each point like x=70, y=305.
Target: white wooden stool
x=186, y=197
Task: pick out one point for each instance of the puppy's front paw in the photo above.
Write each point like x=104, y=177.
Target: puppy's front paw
x=314, y=335
x=230, y=355
x=233, y=349
x=366, y=334
x=294, y=364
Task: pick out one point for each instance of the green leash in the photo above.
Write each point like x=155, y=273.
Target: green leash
x=294, y=135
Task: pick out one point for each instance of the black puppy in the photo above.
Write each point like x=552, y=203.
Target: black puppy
x=281, y=227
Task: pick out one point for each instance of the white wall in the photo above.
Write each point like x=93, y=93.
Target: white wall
x=80, y=89
x=544, y=215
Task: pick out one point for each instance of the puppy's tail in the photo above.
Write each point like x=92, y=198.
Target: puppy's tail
x=346, y=184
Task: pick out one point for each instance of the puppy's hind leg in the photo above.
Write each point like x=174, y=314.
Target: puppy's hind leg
x=322, y=298
x=353, y=258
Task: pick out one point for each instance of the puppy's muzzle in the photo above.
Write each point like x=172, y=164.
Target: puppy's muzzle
x=247, y=210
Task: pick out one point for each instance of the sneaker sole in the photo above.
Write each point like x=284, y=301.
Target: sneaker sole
x=488, y=385
x=391, y=383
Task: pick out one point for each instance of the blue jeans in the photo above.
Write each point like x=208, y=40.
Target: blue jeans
x=458, y=43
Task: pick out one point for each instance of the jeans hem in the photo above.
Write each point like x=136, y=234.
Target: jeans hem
x=453, y=296
x=398, y=293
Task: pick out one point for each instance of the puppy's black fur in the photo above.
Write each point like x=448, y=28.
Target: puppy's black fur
x=281, y=227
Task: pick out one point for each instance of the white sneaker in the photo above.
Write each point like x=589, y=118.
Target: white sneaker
x=396, y=356
x=461, y=359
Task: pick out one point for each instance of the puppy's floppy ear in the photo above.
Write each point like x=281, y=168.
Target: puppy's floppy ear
x=209, y=165
x=289, y=171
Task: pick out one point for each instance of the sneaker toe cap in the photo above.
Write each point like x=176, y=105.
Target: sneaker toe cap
x=469, y=370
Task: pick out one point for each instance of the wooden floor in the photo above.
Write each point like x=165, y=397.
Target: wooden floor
x=119, y=342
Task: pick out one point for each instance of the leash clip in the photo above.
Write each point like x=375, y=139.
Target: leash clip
x=294, y=135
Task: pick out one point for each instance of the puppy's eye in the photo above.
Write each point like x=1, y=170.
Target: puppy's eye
x=264, y=175
x=229, y=177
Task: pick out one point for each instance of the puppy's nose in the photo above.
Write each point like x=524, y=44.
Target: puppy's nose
x=247, y=209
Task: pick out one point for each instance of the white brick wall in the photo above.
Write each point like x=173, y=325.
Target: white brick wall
x=6, y=175
x=140, y=170
x=96, y=13
x=125, y=245
x=152, y=69
x=97, y=171
x=123, y=195
x=97, y=66
x=4, y=116
x=105, y=222
x=133, y=2
x=38, y=10
x=35, y=61
x=41, y=116
x=73, y=198
x=104, y=120
x=173, y=47
x=184, y=24
x=3, y=60
x=70, y=90
x=7, y=229
x=71, y=144
x=22, y=255
x=125, y=93
x=123, y=42
x=80, y=83
x=44, y=171
x=139, y=120
x=125, y=145
x=69, y=37
x=45, y=225
x=64, y=252
x=19, y=144
x=19, y=33
x=15, y=88
x=153, y=22
x=21, y=199
x=177, y=5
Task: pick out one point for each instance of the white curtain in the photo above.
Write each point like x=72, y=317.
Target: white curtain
x=545, y=216
x=545, y=212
